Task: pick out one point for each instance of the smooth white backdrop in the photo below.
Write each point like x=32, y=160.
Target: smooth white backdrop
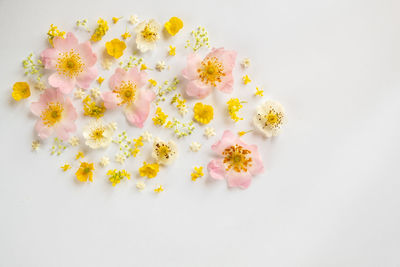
x=330, y=193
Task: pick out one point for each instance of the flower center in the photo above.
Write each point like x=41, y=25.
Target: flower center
x=149, y=34
x=126, y=92
x=237, y=158
x=211, y=71
x=97, y=134
x=86, y=170
x=52, y=114
x=163, y=151
x=69, y=64
x=273, y=119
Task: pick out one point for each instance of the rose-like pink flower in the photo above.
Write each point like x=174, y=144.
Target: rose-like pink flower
x=74, y=63
x=239, y=161
x=125, y=91
x=56, y=114
x=214, y=71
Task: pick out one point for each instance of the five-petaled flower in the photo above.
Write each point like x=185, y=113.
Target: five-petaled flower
x=238, y=161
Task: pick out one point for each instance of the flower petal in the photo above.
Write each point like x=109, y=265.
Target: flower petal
x=49, y=58
x=61, y=82
x=216, y=169
x=226, y=84
x=86, y=52
x=42, y=130
x=138, y=112
x=238, y=179
x=193, y=64
x=110, y=100
x=86, y=78
x=138, y=77
x=116, y=79
x=197, y=89
x=228, y=139
x=66, y=44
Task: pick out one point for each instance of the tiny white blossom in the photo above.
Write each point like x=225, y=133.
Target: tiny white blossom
x=35, y=145
x=147, y=136
x=209, y=131
x=160, y=66
x=195, y=146
x=104, y=161
x=245, y=63
x=133, y=19
x=120, y=158
x=79, y=93
x=140, y=186
x=74, y=141
x=95, y=92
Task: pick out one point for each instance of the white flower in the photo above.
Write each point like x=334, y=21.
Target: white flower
x=106, y=63
x=160, y=66
x=195, y=146
x=95, y=92
x=74, y=141
x=35, y=145
x=269, y=118
x=147, y=34
x=39, y=85
x=140, y=186
x=120, y=158
x=98, y=134
x=147, y=137
x=104, y=161
x=133, y=19
x=164, y=153
x=79, y=93
x=245, y=63
x=209, y=131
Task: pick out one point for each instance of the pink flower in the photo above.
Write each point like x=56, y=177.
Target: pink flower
x=214, y=71
x=74, y=63
x=125, y=91
x=56, y=114
x=239, y=161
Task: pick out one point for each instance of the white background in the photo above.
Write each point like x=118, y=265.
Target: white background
x=330, y=193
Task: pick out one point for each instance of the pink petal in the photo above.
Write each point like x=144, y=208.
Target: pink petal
x=38, y=107
x=49, y=58
x=110, y=100
x=116, y=79
x=226, y=84
x=238, y=179
x=193, y=64
x=71, y=114
x=137, y=113
x=228, y=139
x=66, y=44
x=86, y=78
x=65, y=84
x=257, y=164
x=62, y=132
x=137, y=77
x=216, y=169
x=227, y=58
x=197, y=89
x=42, y=130
x=85, y=51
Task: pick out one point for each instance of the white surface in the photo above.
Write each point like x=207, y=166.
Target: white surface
x=330, y=193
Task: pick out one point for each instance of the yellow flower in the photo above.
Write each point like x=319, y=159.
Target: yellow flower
x=79, y=155
x=92, y=109
x=173, y=26
x=203, y=113
x=197, y=173
x=259, y=92
x=117, y=176
x=126, y=35
x=246, y=79
x=53, y=32
x=66, y=167
x=159, y=188
x=100, y=80
x=160, y=118
x=20, y=91
x=115, y=20
x=149, y=170
x=143, y=67
x=234, y=105
x=136, y=144
x=172, y=50
x=85, y=172
x=115, y=48
x=100, y=31
x=153, y=82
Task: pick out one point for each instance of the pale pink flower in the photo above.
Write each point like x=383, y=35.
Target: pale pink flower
x=214, y=71
x=74, y=63
x=56, y=114
x=125, y=91
x=239, y=161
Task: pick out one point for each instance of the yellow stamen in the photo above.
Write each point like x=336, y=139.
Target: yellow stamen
x=97, y=134
x=149, y=34
x=52, y=114
x=70, y=64
x=126, y=92
x=211, y=71
x=237, y=158
x=273, y=119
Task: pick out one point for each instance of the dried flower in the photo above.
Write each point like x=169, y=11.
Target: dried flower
x=203, y=113
x=197, y=173
x=234, y=105
x=85, y=172
x=20, y=91
x=116, y=176
x=115, y=48
x=149, y=170
x=100, y=31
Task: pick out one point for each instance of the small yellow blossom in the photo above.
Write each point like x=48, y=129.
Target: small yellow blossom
x=92, y=109
x=85, y=172
x=79, y=155
x=173, y=26
x=153, y=82
x=259, y=92
x=160, y=118
x=116, y=176
x=100, y=80
x=126, y=35
x=115, y=48
x=73, y=141
x=149, y=170
x=159, y=188
x=143, y=67
x=136, y=144
x=66, y=167
x=100, y=31
x=234, y=105
x=241, y=133
x=35, y=145
x=54, y=32
x=197, y=173
x=20, y=91
x=246, y=79
x=203, y=113
x=115, y=20
x=172, y=50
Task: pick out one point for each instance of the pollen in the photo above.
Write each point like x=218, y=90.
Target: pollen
x=52, y=114
x=149, y=33
x=70, y=64
x=273, y=119
x=126, y=92
x=163, y=151
x=211, y=71
x=97, y=133
x=237, y=158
